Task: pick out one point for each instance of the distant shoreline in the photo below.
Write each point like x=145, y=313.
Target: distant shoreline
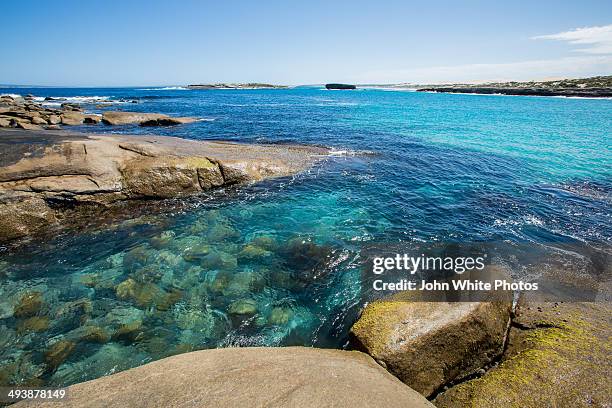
x=593, y=87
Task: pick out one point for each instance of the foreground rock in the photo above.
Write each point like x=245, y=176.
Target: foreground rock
x=558, y=356
x=143, y=119
x=42, y=173
x=248, y=377
x=430, y=344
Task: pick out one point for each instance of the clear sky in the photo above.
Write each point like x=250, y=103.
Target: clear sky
x=123, y=43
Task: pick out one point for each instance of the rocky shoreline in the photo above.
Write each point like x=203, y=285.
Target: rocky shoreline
x=593, y=87
x=43, y=174
x=25, y=113
x=568, y=92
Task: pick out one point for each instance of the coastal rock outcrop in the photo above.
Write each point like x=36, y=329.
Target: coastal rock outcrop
x=143, y=119
x=248, y=377
x=42, y=173
x=429, y=344
x=28, y=114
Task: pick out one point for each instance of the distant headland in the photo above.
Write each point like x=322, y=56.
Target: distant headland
x=250, y=85
x=598, y=87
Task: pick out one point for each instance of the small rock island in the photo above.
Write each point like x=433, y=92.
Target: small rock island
x=340, y=86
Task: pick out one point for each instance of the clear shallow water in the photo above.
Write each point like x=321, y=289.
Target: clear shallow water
x=278, y=263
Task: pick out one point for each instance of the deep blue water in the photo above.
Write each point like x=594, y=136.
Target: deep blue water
x=279, y=262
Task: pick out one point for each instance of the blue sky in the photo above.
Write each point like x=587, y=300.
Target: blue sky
x=123, y=43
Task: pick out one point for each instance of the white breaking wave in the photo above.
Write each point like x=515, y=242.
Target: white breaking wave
x=11, y=95
x=165, y=88
x=348, y=152
x=58, y=100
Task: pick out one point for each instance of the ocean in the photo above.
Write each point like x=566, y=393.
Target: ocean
x=280, y=262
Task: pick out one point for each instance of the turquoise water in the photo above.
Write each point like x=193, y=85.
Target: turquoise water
x=279, y=263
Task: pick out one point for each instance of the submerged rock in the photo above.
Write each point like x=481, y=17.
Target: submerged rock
x=21, y=369
x=109, y=359
x=220, y=232
x=29, y=305
x=92, y=334
x=266, y=242
x=135, y=258
x=119, y=320
x=58, y=352
x=33, y=324
x=271, y=377
x=243, y=283
x=197, y=252
x=219, y=260
x=243, y=307
x=126, y=289
x=162, y=240
x=280, y=316
x=253, y=252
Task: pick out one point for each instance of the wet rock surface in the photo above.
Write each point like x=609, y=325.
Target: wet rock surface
x=248, y=377
x=44, y=172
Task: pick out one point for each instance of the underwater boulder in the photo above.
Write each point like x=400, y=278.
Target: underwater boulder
x=29, y=305
x=253, y=252
x=162, y=240
x=33, y=324
x=135, y=258
x=219, y=260
x=197, y=252
x=58, y=352
x=280, y=316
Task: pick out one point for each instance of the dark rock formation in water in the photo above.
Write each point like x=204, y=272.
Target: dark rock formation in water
x=248, y=377
x=143, y=119
x=42, y=173
x=340, y=86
